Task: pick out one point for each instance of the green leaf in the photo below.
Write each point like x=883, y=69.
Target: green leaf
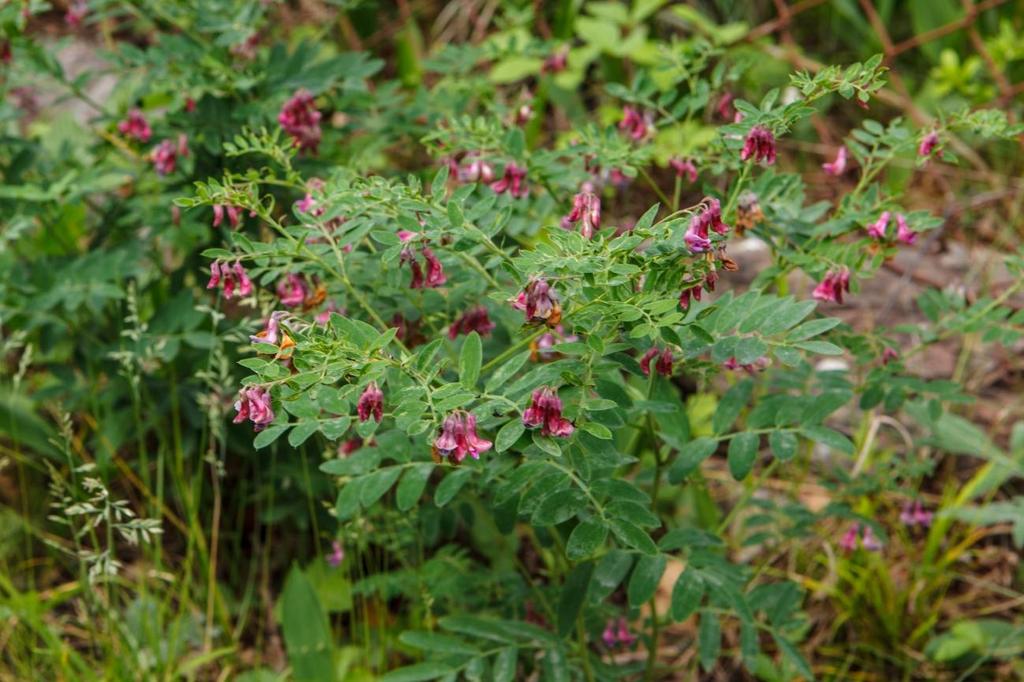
x=558, y=507
x=812, y=328
x=420, y=672
x=644, y=581
x=455, y=216
x=793, y=655
x=731, y=404
x=687, y=595
x=826, y=436
x=439, y=182
x=436, y=642
x=574, y=594
x=783, y=444
x=548, y=445
x=301, y=432
x=610, y=571
x=585, y=539
x=373, y=486
x=307, y=634
x=347, y=503
x=597, y=430
x=709, y=640
x=506, y=371
x=633, y=536
x=410, y=489
x=508, y=435
x=819, y=347
x=469, y=360
x=647, y=219
x=742, y=453
x=504, y=668
x=691, y=457
x=450, y=486
x=269, y=435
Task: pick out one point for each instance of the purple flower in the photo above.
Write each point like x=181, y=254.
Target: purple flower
x=586, y=210
x=928, y=144
x=539, y=301
x=617, y=633
x=336, y=556
x=165, y=155
x=458, y=438
x=832, y=288
x=545, y=410
x=435, y=271
x=664, y=361
x=557, y=61
x=234, y=214
x=513, y=182
x=77, y=9
x=877, y=229
x=888, y=355
x=474, y=169
x=759, y=145
x=371, y=403
x=435, y=276
x=300, y=118
x=903, y=232
x=862, y=533
x=270, y=333
x=754, y=367
x=696, y=237
x=228, y=277
x=684, y=168
x=837, y=167
x=135, y=125
x=916, y=515
x=254, y=404
x=689, y=293
x=473, y=320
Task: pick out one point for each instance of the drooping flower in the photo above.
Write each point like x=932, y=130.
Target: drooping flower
x=663, y=365
x=135, y=125
x=696, y=237
x=371, y=403
x=903, y=232
x=336, y=556
x=689, y=293
x=539, y=301
x=349, y=446
x=474, y=169
x=293, y=290
x=475, y=319
x=513, y=182
x=928, y=144
x=435, y=276
x=889, y=354
x=165, y=155
x=271, y=333
x=916, y=515
x=300, y=118
x=725, y=108
x=832, y=288
x=586, y=210
x=435, y=271
x=636, y=125
x=754, y=367
x=877, y=229
x=234, y=214
x=861, y=534
x=545, y=411
x=557, y=61
x=837, y=167
x=759, y=145
x=458, y=438
x=848, y=542
x=77, y=9
x=254, y=404
x=684, y=168
x=870, y=542
x=540, y=348
x=228, y=277
x=616, y=633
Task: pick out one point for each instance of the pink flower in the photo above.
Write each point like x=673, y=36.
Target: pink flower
x=306, y=204
x=832, y=288
x=293, y=290
x=513, y=182
x=609, y=636
x=617, y=633
x=349, y=446
x=928, y=144
x=849, y=541
x=754, y=367
x=618, y=178
x=228, y=277
x=724, y=107
x=76, y=12
x=435, y=276
x=300, y=119
x=135, y=125
x=870, y=542
x=635, y=125
x=664, y=361
x=837, y=167
x=545, y=410
x=863, y=533
x=271, y=332
x=903, y=232
x=916, y=515
x=234, y=214
x=888, y=355
x=254, y=404
x=474, y=169
x=324, y=316
x=371, y=403
x=586, y=210
x=475, y=319
x=539, y=301
x=684, y=168
x=336, y=556
x=877, y=229
x=687, y=294
x=458, y=438
x=557, y=61
x=696, y=237
x=759, y=145
x=435, y=271
x=165, y=155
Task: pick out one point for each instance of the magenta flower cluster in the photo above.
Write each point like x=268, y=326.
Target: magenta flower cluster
x=545, y=411
x=458, y=438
